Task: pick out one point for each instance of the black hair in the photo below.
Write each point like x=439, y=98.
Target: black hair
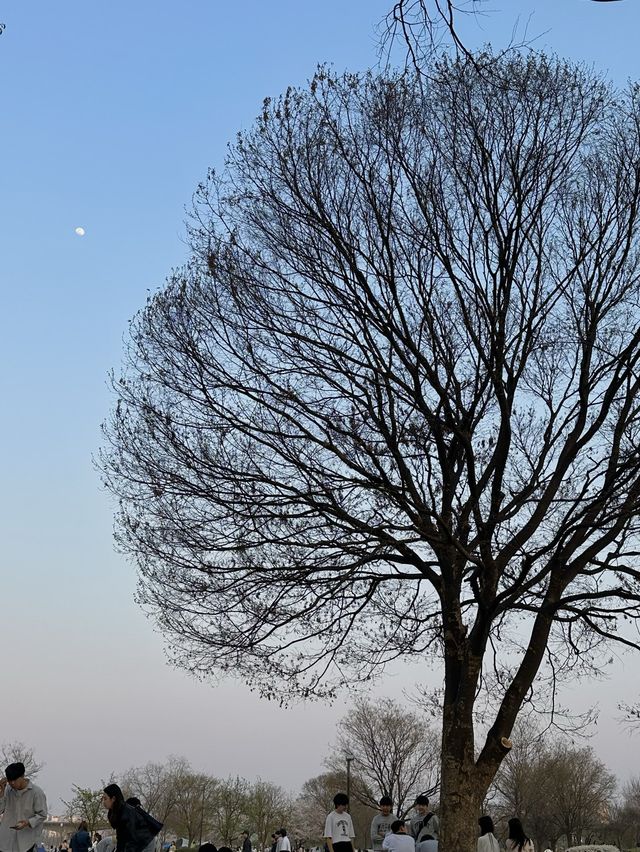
x=207, y=847
x=486, y=825
x=386, y=800
x=134, y=801
x=14, y=771
x=396, y=825
x=114, y=792
x=82, y=826
x=422, y=800
x=516, y=833
x=282, y=833
x=340, y=799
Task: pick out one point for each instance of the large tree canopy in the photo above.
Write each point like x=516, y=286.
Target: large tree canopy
x=390, y=408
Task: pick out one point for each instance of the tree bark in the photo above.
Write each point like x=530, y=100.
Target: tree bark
x=462, y=791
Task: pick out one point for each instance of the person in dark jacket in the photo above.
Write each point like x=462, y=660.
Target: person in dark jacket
x=246, y=841
x=81, y=840
x=132, y=832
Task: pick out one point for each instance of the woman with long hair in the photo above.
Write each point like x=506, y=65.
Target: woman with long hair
x=487, y=842
x=518, y=840
x=132, y=833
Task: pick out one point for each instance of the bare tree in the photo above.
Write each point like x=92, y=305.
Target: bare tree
x=194, y=803
x=18, y=752
x=267, y=807
x=558, y=789
x=390, y=409
x=316, y=801
x=396, y=753
x=228, y=809
x=155, y=784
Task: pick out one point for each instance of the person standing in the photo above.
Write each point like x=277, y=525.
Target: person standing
x=487, y=841
x=81, y=840
x=518, y=840
x=338, y=826
x=283, y=844
x=23, y=807
x=246, y=842
x=381, y=823
x=426, y=825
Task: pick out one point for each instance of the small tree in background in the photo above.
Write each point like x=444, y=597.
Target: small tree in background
x=396, y=752
x=18, y=752
x=86, y=804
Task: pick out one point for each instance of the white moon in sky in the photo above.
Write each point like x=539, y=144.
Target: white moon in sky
x=80, y=232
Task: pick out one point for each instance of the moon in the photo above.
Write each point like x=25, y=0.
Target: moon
x=79, y=232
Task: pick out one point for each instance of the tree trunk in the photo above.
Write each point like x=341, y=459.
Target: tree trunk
x=462, y=787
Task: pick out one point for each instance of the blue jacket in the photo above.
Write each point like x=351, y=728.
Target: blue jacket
x=80, y=841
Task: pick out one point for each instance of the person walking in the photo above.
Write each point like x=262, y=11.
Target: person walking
x=81, y=840
x=518, y=840
x=23, y=807
x=487, y=841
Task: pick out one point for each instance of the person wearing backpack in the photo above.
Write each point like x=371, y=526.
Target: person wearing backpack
x=425, y=825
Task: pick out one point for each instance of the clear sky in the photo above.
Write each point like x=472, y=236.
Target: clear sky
x=111, y=113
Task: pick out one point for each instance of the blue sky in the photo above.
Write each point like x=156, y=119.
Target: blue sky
x=111, y=113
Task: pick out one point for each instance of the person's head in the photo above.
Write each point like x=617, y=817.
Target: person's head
x=398, y=827
x=422, y=804
x=245, y=834
x=224, y=849
x=340, y=802
x=282, y=833
x=207, y=847
x=275, y=835
x=98, y=837
x=486, y=825
x=516, y=832
x=82, y=826
x=14, y=774
x=385, y=805
x=134, y=801
x=112, y=800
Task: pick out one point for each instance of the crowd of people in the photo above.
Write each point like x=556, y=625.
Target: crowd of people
x=390, y=833
x=23, y=811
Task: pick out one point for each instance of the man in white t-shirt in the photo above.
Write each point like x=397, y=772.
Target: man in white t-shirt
x=338, y=826
x=398, y=840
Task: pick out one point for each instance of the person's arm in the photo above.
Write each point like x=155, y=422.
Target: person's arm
x=374, y=830
x=39, y=809
x=3, y=788
x=387, y=843
x=352, y=834
x=328, y=832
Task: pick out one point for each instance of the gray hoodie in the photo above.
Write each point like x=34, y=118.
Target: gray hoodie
x=380, y=825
